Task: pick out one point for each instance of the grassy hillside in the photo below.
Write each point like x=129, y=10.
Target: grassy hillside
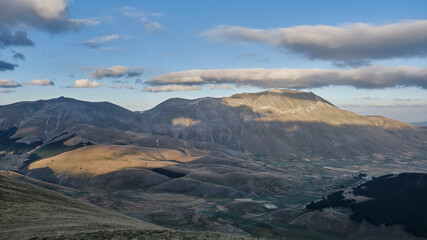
x=29, y=211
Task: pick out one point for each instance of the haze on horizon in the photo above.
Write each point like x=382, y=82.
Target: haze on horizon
x=364, y=56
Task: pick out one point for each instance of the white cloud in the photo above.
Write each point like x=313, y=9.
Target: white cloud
x=117, y=71
x=127, y=86
x=149, y=25
x=85, y=83
x=7, y=83
x=363, y=77
x=172, y=88
x=226, y=87
x=398, y=104
x=100, y=41
x=37, y=82
x=351, y=44
x=6, y=91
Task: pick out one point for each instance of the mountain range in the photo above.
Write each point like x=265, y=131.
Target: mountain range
x=274, y=123
x=218, y=164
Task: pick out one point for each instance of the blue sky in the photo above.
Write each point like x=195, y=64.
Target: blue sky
x=108, y=50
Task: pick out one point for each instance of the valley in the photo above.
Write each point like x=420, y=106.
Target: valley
x=245, y=165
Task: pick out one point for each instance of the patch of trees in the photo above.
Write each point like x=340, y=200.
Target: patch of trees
x=9, y=144
x=168, y=173
x=400, y=199
x=335, y=199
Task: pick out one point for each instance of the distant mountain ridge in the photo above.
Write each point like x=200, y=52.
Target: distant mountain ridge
x=43, y=119
x=273, y=123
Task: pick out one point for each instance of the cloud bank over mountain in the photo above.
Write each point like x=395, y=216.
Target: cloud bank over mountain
x=370, y=77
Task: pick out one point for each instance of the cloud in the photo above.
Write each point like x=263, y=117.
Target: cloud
x=116, y=71
x=398, y=104
x=152, y=27
x=226, y=87
x=172, y=88
x=47, y=15
x=149, y=25
x=365, y=77
x=121, y=81
x=385, y=105
x=14, y=38
x=351, y=44
x=406, y=99
x=85, y=83
x=98, y=42
x=7, y=66
x=366, y=98
x=18, y=56
x=7, y=83
x=37, y=82
x=6, y=91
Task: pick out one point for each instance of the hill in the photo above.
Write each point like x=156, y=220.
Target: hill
x=30, y=211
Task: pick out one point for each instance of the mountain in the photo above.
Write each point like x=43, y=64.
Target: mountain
x=215, y=164
x=278, y=123
x=423, y=124
x=273, y=123
x=43, y=119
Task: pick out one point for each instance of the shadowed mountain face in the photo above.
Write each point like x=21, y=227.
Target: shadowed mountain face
x=44, y=119
x=280, y=123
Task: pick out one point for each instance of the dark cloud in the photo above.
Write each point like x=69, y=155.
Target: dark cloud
x=120, y=81
x=365, y=77
x=17, y=38
x=19, y=56
x=46, y=15
x=4, y=66
x=348, y=45
x=116, y=71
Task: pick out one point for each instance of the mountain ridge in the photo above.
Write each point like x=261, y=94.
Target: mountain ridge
x=275, y=122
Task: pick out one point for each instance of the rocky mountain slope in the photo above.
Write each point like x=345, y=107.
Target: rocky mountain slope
x=280, y=123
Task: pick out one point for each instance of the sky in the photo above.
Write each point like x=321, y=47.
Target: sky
x=364, y=56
